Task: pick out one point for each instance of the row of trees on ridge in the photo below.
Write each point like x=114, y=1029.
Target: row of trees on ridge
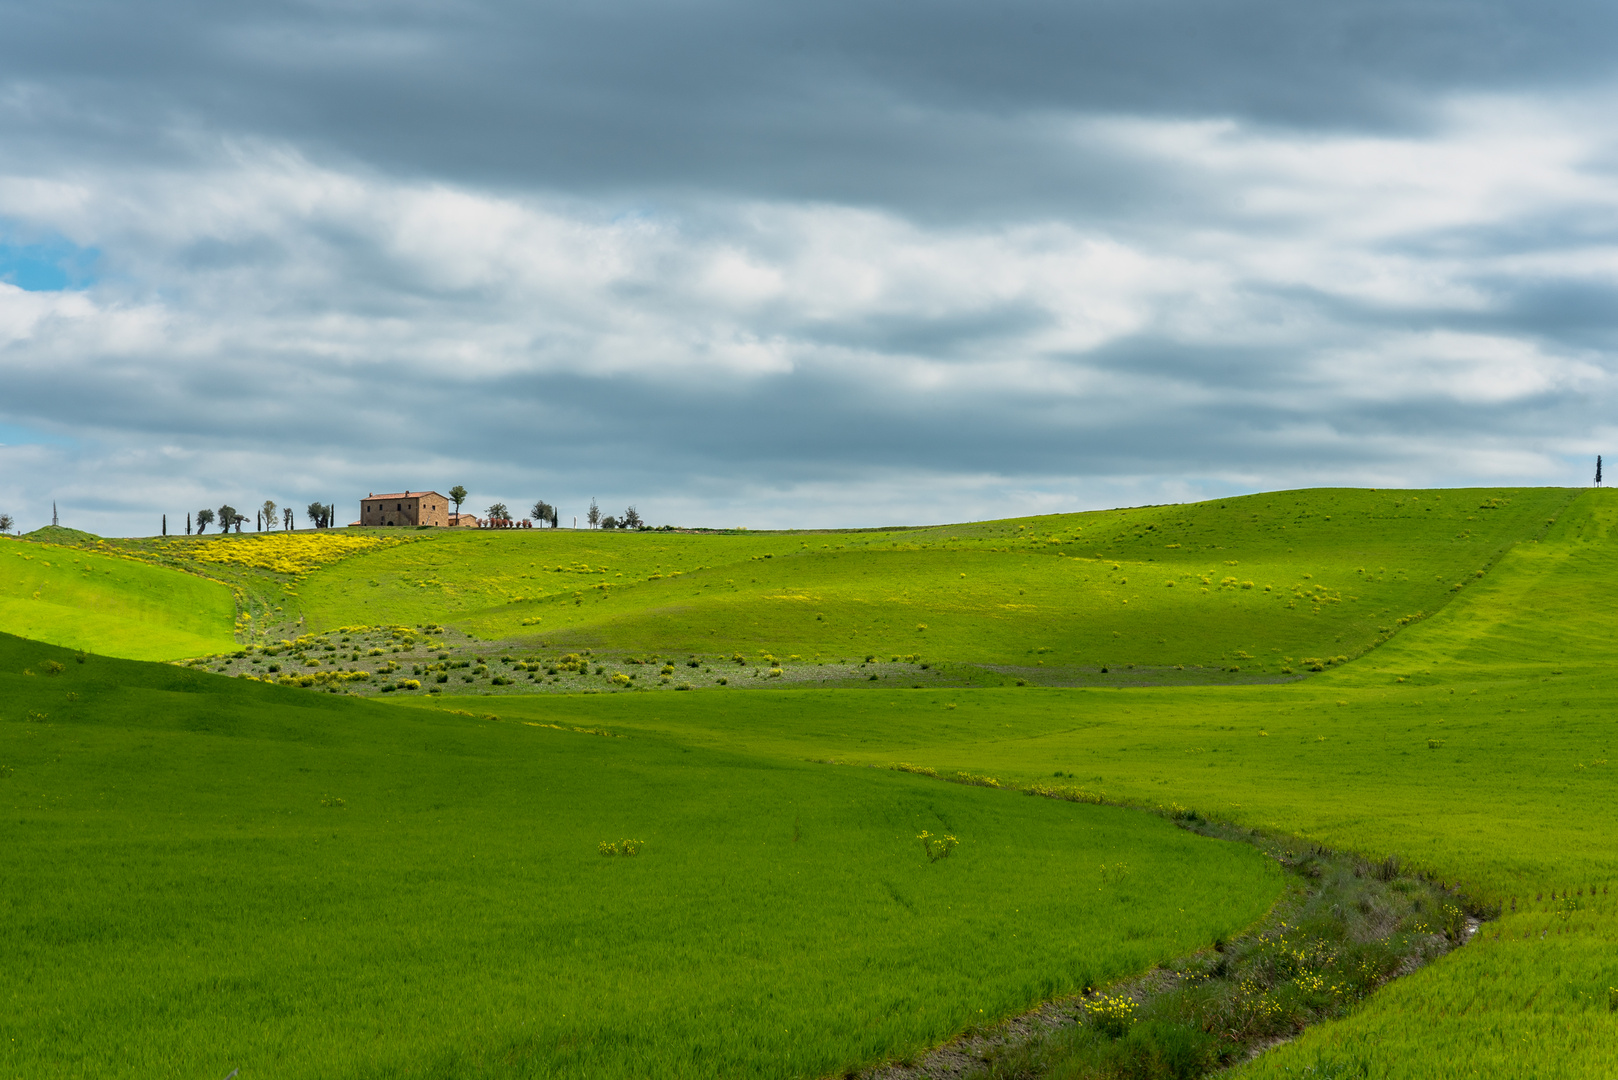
x=267, y=517
x=629, y=520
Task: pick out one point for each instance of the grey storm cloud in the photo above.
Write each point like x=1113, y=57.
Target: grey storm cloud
x=820, y=264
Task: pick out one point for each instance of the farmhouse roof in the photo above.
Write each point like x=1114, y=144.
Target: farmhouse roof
x=404, y=495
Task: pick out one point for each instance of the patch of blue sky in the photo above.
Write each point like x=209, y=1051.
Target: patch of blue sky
x=18, y=435
x=51, y=265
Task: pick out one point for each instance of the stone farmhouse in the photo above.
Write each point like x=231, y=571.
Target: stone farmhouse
x=405, y=508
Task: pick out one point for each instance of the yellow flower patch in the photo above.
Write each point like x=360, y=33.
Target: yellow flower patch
x=288, y=553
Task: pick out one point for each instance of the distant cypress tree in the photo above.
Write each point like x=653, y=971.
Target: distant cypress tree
x=1598, y=470
x=165, y=524
x=54, y=521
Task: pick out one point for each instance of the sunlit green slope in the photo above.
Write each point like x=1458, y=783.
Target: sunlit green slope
x=1475, y=743
x=1551, y=607
x=1264, y=581
x=1537, y=993
x=1478, y=745
x=86, y=600
x=204, y=874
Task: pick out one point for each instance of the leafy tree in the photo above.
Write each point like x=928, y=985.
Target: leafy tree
x=286, y=518
x=228, y=517
x=269, y=513
x=204, y=519
x=542, y=512
x=457, y=495
x=631, y=519
x=6, y=523
x=498, y=512
x=594, y=515
x=609, y=522
x=316, y=513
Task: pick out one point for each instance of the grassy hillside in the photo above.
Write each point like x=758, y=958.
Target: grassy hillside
x=206, y=873
x=84, y=599
x=1264, y=581
x=1478, y=745
x=1469, y=735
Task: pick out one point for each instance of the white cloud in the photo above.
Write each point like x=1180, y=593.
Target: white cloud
x=1275, y=291
x=1470, y=368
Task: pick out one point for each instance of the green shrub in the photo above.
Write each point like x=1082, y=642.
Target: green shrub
x=1066, y=793
x=937, y=847
x=1111, y=1014
x=1160, y=1050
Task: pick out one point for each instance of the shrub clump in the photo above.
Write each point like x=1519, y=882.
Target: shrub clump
x=1112, y=1014
x=1067, y=793
x=937, y=847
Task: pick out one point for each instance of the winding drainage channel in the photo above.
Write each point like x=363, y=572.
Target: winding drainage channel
x=1403, y=921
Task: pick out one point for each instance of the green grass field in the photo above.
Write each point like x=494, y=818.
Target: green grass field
x=206, y=873
x=88, y=600
x=1259, y=581
x=1467, y=729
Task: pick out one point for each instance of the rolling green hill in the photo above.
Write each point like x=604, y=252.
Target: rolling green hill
x=206, y=873
x=1477, y=745
x=1461, y=722
x=86, y=599
x=1265, y=581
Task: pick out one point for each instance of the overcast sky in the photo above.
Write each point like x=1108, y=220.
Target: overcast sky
x=833, y=263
